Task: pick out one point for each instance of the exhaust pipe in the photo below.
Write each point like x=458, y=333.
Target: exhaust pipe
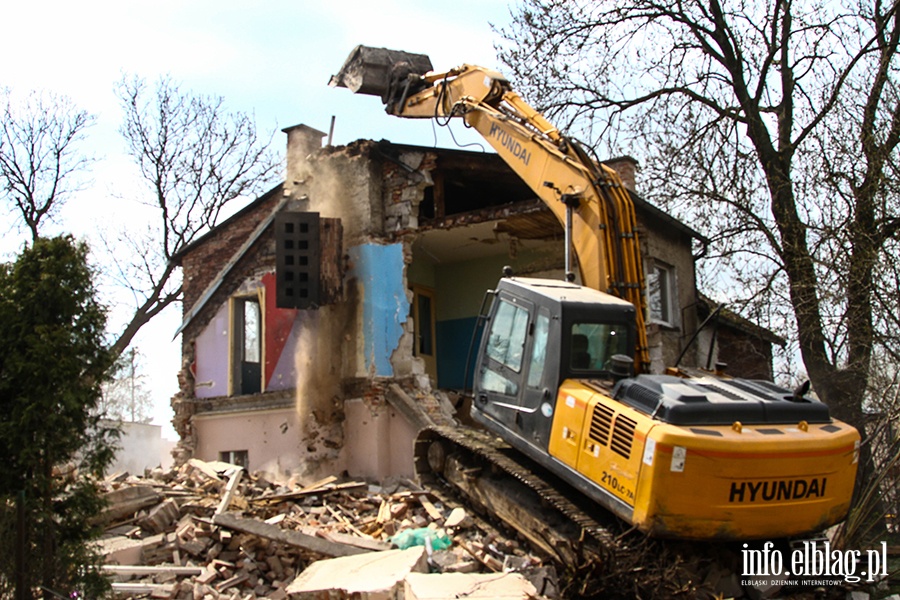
x=381, y=72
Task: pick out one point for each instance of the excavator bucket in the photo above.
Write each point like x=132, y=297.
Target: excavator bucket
x=374, y=71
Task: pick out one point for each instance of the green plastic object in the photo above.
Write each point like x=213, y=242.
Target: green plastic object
x=421, y=537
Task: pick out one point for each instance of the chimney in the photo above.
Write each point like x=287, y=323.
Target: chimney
x=302, y=141
x=626, y=167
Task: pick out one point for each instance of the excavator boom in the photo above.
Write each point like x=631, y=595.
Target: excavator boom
x=559, y=171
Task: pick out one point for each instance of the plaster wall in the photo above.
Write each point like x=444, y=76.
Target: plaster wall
x=280, y=332
x=211, y=358
x=379, y=443
x=672, y=248
x=272, y=438
x=346, y=184
x=379, y=273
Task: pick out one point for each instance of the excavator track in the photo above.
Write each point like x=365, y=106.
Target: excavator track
x=504, y=483
x=600, y=554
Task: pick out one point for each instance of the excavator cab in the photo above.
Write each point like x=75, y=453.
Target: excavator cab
x=538, y=333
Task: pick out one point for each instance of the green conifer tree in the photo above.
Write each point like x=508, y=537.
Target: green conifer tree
x=53, y=448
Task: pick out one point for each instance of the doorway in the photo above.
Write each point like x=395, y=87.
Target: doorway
x=424, y=319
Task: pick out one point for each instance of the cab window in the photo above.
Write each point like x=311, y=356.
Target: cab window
x=501, y=373
x=506, y=341
x=539, y=349
x=593, y=344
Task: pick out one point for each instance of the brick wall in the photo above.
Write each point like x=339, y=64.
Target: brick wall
x=202, y=263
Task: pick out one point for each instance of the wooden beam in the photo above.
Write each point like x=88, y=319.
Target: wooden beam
x=230, y=489
x=285, y=536
x=147, y=570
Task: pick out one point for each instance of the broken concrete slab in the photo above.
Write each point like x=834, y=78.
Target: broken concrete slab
x=473, y=586
x=120, y=550
x=126, y=501
x=370, y=576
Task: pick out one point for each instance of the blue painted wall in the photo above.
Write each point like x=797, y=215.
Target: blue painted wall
x=379, y=271
x=454, y=337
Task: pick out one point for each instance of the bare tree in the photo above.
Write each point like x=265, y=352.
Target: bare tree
x=125, y=396
x=195, y=158
x=39, y=157
x=772, y=125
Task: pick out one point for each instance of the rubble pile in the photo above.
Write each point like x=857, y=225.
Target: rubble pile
x=210, y=530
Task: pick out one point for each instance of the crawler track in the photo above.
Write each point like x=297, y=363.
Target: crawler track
x=597, y=552
x=503, y=482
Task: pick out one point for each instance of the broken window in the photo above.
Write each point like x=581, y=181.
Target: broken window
x=246, y=372
x=660, y=293
x=240, y=458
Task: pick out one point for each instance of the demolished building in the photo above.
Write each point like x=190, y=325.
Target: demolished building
x=321, y=308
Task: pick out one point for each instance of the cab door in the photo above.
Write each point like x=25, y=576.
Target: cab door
x=500, y=376
x=542, y=355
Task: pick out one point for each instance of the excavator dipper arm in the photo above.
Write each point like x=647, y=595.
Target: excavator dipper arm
x=558, y=169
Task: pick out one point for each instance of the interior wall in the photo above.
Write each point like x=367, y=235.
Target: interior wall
x=459, y=290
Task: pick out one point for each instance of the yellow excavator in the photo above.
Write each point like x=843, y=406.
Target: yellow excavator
x=561, y=372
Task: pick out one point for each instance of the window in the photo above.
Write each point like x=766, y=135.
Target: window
x=423, y=320
x=539, y=350
x=235, y=457
x=507, y=338
x=246, y=362
x=593, y=344
x=660, y=293
x=506, y=346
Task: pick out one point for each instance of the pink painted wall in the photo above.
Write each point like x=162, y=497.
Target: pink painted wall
x=271, y=438
x=377, y=444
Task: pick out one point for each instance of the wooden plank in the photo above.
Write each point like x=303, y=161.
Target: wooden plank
x=431, y=509
x=166, y=589
x=230, y=489
x=366, y=543
x=312, y=491
x=286, y=536
x=318, y=484
x=147, y=570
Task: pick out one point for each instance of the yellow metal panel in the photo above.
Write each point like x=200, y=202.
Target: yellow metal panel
x=746, y=484
x=613, y=444
x=568, y=422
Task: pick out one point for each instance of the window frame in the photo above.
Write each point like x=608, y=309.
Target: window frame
x=237, y=344
x=667, y=291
